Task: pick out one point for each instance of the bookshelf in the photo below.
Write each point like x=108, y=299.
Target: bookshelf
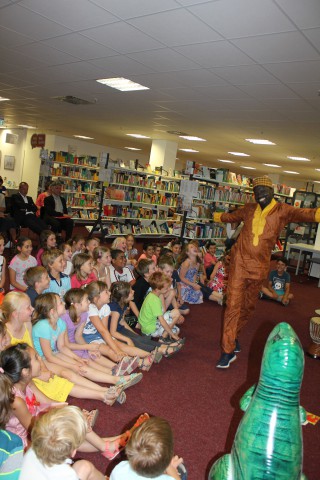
x=80, y=178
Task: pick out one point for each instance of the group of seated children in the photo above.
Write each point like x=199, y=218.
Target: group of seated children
x=83, y=315
x=63, y=332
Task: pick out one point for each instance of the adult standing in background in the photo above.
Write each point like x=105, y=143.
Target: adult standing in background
x=56, y=212
x=24, y=210
x=41, y=197
x=250, y=257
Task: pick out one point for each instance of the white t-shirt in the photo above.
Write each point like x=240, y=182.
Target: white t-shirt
x=33, y=469
x=124, y=471
x=125, y=276
x=104, y=311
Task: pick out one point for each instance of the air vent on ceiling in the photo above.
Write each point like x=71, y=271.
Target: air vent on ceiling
x=74, y=100
x=176, y=132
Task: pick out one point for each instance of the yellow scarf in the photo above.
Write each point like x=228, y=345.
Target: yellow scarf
x=259, y=221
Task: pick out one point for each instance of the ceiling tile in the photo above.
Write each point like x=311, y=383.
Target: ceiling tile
x=295, y=71
x=122, y=37
x=221, y=92
x=314, y=36
x=159, y=80
x=280, y=47
x=242, y=18
x=46, y=54
x=176, y=27
x=28, y=23
x=79, y=46
x=9, y=38
x=17, y=60
x=199, y=78
x=263, y=91
x=215, y=54
x=245, y=75
x=120, y=65
x=164, y=60
x=126, y=9
x=308, y=90
x=91, y=15
x=305, y=14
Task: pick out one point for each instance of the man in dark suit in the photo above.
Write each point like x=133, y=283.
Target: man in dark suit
x=24, y=210
x=56, y=212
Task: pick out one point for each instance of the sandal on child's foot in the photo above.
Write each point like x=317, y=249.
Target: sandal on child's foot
x=91, y=418
x=165, y=340
x=126, y=382
x=157, y=356
x=122, y=367
x=133, y=364
x=146, y=363
x=112, y=395
x=122, y=398
x=114, y=447
x=170, y=350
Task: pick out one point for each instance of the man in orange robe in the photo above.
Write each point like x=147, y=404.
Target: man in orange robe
x=250, y=257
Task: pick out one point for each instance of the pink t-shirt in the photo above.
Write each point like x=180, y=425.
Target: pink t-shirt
x=20, y=266
x=76, y=283
x=143, y=255
x=209, y=260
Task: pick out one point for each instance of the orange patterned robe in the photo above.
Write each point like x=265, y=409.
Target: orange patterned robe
x=250, y=258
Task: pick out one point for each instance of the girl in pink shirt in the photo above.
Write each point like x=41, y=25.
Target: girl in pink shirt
x=83, y=271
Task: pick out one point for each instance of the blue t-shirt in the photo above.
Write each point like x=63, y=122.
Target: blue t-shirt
x=115, y=307
x=62, y=288
x=43, y=329
x=279, y=281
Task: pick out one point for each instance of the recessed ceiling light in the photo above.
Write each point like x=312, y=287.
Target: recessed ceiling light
x=136, y=135
x=316, y=181
x=239, y=154
x=318, y=169
x=271, y=165
x=300, y=159
x=258, y=141
x=83, y=137
x=122, y=84
x=28, y=126
x=191, y=138
x=188, y=150
x=2, y=99
x=225, y=161
x=132, y=148
x=289, y=171
x=248, y=168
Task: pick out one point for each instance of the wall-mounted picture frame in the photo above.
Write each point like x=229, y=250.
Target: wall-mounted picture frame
x=9, y=162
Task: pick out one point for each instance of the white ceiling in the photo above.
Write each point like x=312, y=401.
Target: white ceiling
x=224, y=70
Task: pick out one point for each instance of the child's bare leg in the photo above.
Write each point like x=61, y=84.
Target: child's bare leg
x=108, y=352
x=133, y=351
x=170, y=298
x=87, y=471
x=103, y=362
x=216, y=297
x=269, y=293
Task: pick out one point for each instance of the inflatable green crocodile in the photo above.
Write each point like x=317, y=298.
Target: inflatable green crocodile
x=268, y=442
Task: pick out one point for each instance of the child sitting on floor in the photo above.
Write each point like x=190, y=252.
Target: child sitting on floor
x=150, y=454
x=83, y=270
x=78, y=244
x=153, y=321
x=170, y=300
x=20, y=263
x=210, y=258
x=91, y=244
x=118, y=270
x=47, y=242
x=189, y=266
x=59, y=282
x=279, y=284
x=38, y=281
x=102, y=261
x=67, y=256
x=148, y=252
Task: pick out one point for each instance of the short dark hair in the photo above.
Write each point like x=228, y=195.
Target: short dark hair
x=115, y=252
x=283, y=260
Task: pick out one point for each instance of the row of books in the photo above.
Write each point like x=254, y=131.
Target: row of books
x=85, y=214
x=125, y=229
x=134, y=212
x=80, y=201
x=204, y=230
x=145, y=181
x=223, y=193
x=144, y=196
x=73, y=172
x=71, y=186
x=66, y=157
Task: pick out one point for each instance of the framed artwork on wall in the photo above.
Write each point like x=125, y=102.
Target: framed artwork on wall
x=9, y=162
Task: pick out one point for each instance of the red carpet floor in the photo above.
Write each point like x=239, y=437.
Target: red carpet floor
x=202, y=402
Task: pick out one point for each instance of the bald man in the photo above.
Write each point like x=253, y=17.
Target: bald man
x=250, y=258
